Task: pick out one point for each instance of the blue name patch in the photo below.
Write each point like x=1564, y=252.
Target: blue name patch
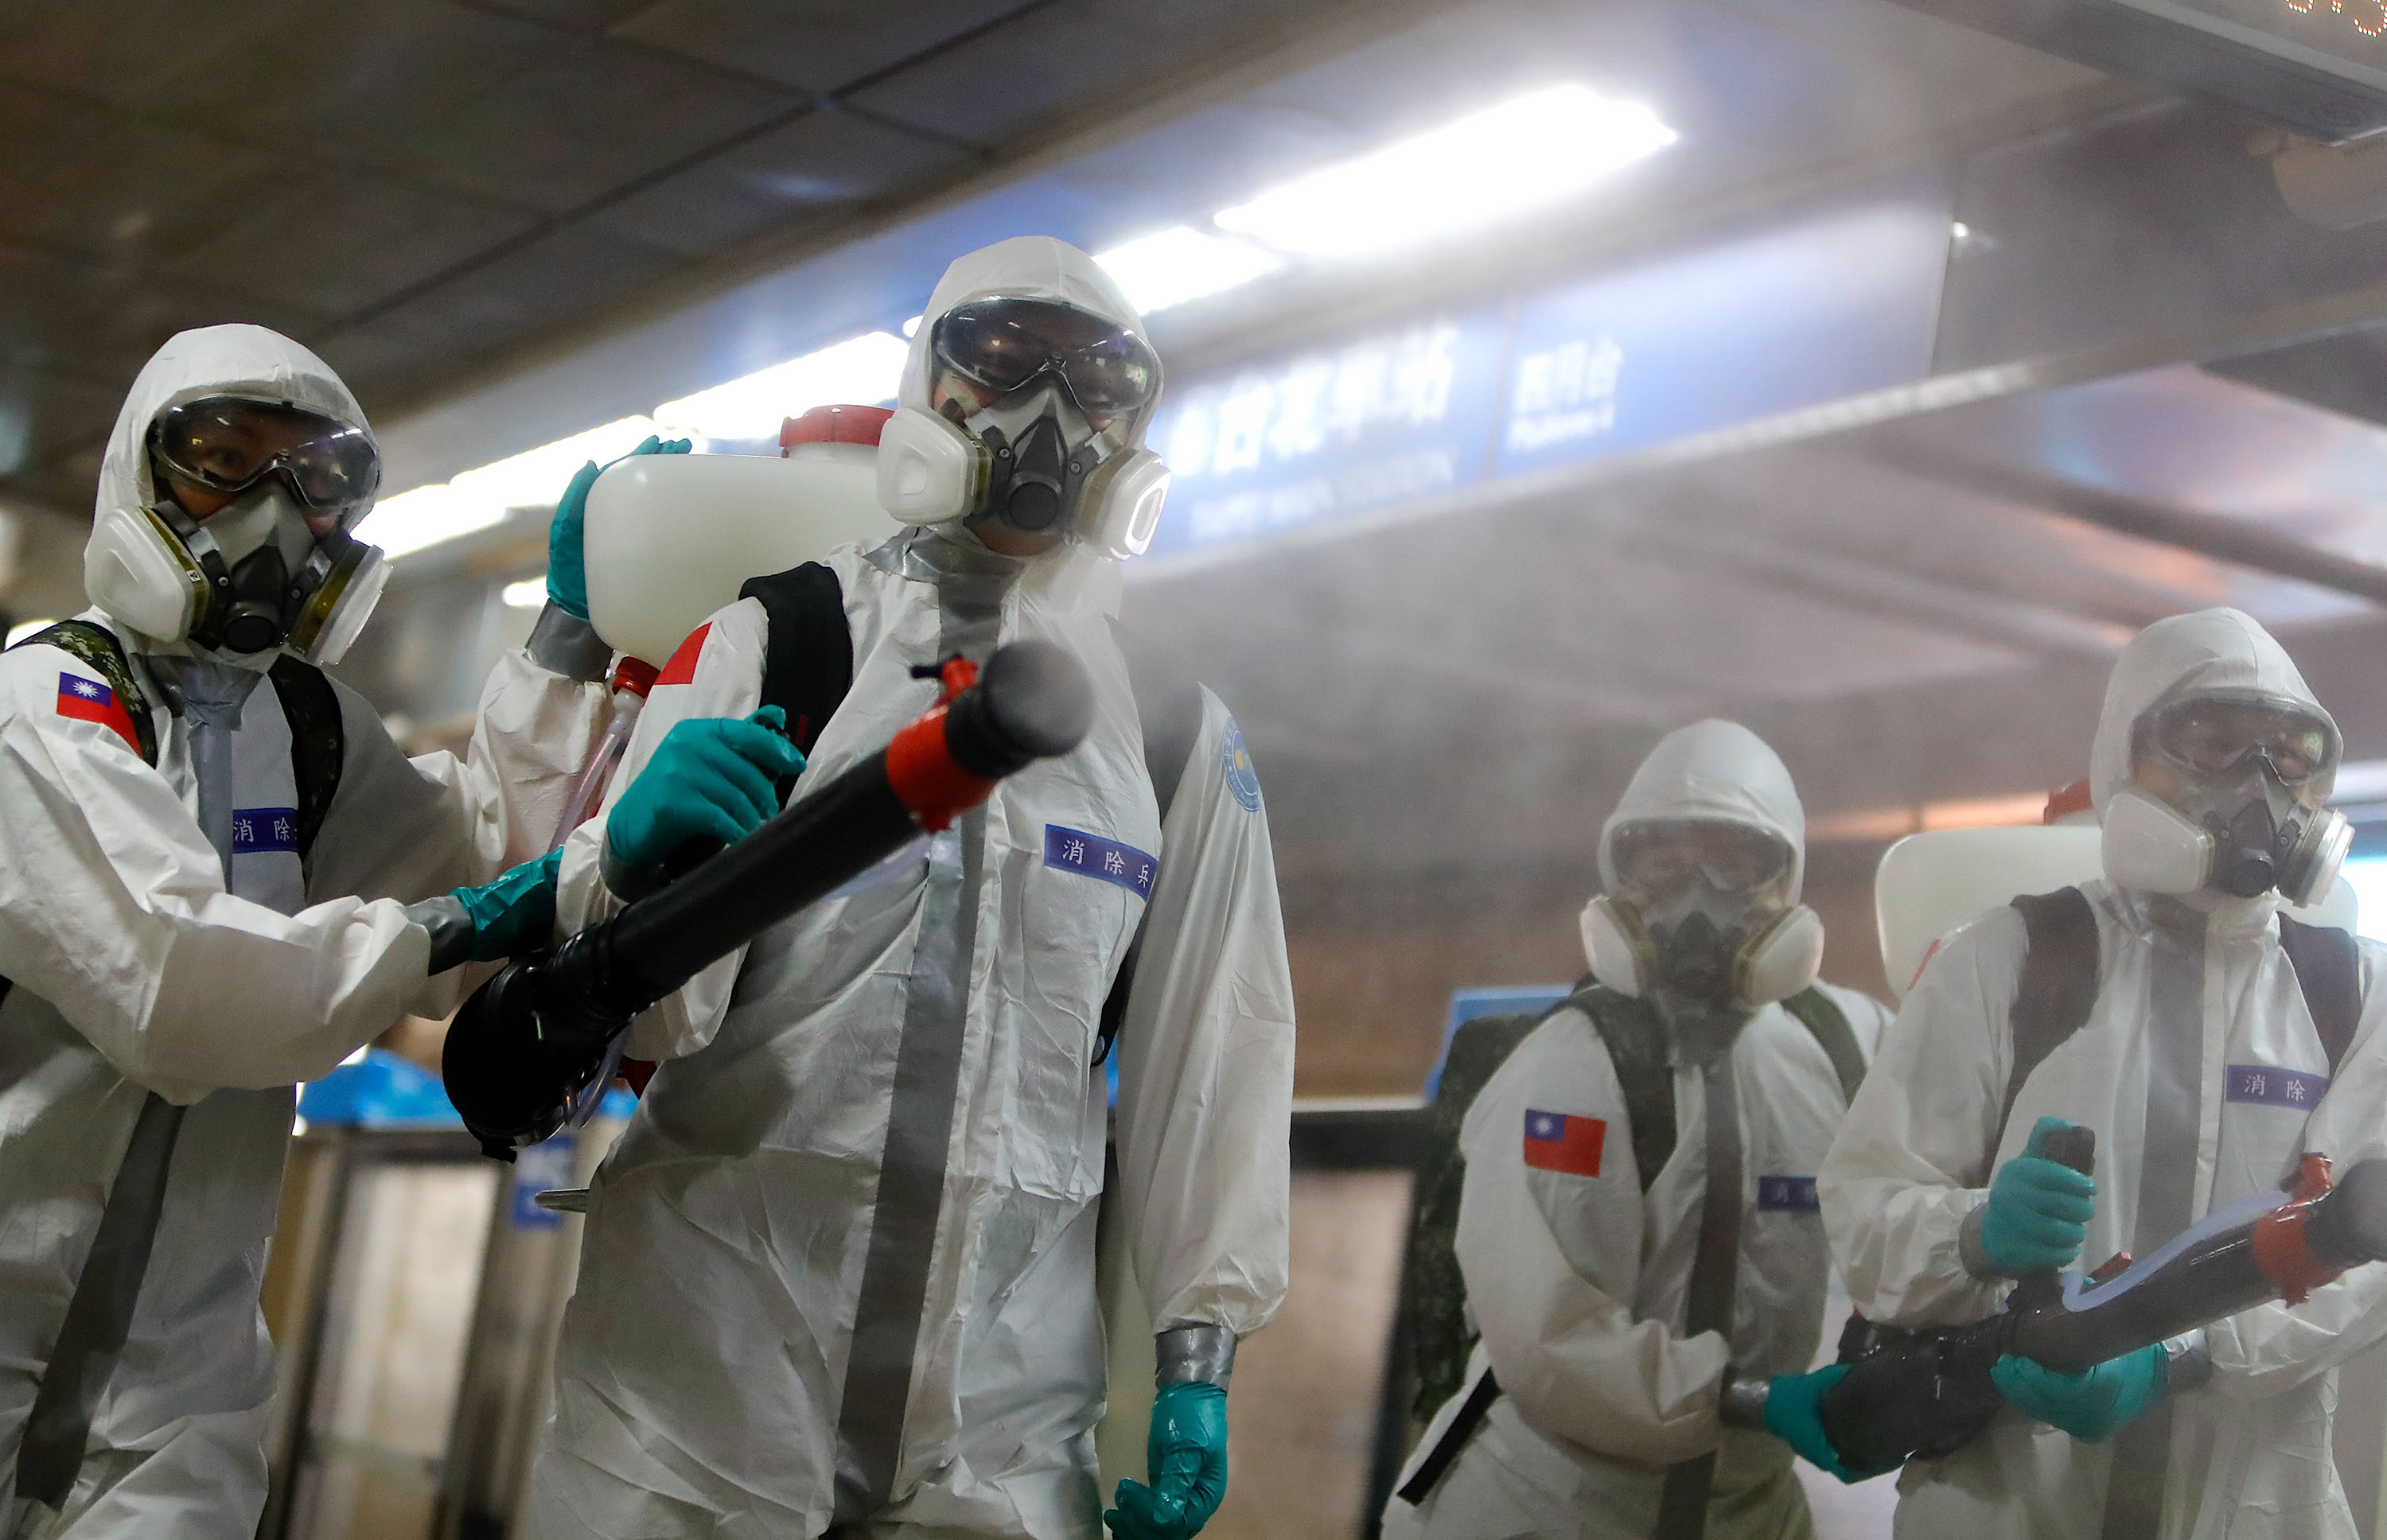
x=256, y=830
x=1787, y=1196
x=2264, y=1086
x=1070, y=850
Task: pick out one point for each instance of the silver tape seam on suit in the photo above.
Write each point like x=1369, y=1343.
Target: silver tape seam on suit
x=99, y=1314
x=1683, y=1502
x=2167, y=1188
x=920, y=1127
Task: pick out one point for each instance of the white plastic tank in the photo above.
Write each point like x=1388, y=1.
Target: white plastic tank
x=1930, y=883
x=671, y=538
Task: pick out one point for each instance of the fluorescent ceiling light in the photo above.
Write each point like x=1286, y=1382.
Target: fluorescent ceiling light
x=426, y=516
x=528, y=594
x=860, y=370
x=1532, y=150
x=1172, y=266
x=24, y=628
x=479, y=497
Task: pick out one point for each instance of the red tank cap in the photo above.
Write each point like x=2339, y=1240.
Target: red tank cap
x=834, y=426
x=634, y=675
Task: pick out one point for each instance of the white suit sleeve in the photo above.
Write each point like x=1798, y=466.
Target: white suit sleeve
x=411, y=829
x=1553, y=1258
x=1911, y=1159
x=717, y=672
x=1206, y=1059
x=112, y=907
x=2275, y=1347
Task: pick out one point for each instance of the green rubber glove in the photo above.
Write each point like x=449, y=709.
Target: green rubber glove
x=1185, y=1454
x=567, y=571
x=2039, y=1211
x=1794, y=1413
x=712, y=778
x=516, y=912
x=2093, y=1406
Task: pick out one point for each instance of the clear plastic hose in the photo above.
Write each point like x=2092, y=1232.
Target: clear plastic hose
x=590, y=788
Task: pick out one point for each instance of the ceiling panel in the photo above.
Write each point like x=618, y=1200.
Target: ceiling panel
x=814, y=47
x=1059, y=56
x=365, y=81
x=338, y=245
x=817, y=166
x=138, y=193
x=127, y=51
x=425, y=189
x=581, y=123
x=99, y=321
x=554, y=276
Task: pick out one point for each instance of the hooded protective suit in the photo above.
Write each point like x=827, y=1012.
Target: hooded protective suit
x=1579, y=1279
x=2203, y=1076
x=137, y=957
x=841, y=1267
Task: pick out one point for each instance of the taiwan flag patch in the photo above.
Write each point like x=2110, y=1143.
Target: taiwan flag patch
x=89, y=701
x=1564, y=1141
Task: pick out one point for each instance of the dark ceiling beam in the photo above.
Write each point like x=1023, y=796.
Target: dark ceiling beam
x=2243, y=542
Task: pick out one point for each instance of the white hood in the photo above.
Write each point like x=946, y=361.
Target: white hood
x=215, y=360
x=1026, y=267
x=1717, y=770
x=2208, y=652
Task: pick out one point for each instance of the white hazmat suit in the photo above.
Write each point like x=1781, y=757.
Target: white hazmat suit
x=1580, y=1283
x=136, y=957
x=2200, y=1001
x=841, y=1267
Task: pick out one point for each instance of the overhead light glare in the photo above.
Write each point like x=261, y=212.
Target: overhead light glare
x=860, y=371
x=424, y=517
x=24, y=628
x=478, y=498
x=1179, y=263
x=1531, y=150
x=528, y=594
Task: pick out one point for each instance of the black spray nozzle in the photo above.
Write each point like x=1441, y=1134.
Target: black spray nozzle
x=1032, y=701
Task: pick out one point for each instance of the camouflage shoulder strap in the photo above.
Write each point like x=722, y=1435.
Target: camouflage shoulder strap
x=1829, y=1026
x=96, y=648
x=1635, y=1036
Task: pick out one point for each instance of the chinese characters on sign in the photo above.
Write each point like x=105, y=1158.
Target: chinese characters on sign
x=1564, y=393
x=258, y=829
x=1070, y=850
x=2266, y=1085
x=1384, y=420
x=1837, y=301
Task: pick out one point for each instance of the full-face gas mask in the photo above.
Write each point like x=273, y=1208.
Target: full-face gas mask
x=2228, y=795
x=275, y=565
x=1699, y=916
x=1051, y=403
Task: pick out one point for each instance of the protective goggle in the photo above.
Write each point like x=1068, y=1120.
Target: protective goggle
x=229, y=444
x=1662, y=856
x=1001, y=345
x=2208, y=736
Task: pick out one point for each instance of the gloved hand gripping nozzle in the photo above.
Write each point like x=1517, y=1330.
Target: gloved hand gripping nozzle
x=1911, y=1394
x=533, y=1041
